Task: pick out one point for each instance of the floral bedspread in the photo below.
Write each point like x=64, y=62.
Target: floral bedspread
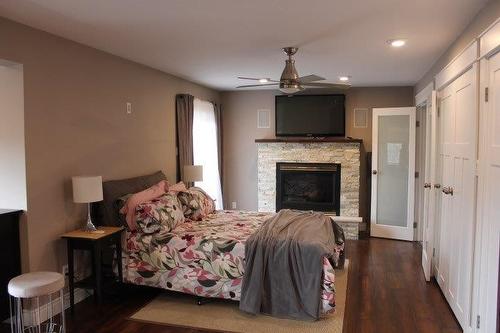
x=203, y=258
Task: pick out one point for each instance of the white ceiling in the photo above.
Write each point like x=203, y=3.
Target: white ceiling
x=213, y=41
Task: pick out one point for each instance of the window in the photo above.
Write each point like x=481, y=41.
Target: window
x=205, y=149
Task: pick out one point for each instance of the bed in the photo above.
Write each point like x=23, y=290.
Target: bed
x=204, y=258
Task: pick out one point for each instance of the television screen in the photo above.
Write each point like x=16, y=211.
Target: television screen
x=310, y=115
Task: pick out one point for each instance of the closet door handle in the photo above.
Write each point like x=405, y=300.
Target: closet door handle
x=427, y=185
x=374, y=172
x=437, y=185
x=447, y=190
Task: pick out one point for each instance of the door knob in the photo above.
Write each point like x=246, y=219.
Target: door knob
x=374, y=172
x=427, y=185
x=447, y=190
x=437, y=185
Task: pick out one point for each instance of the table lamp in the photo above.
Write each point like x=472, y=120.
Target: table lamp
x=193, y=173
x=87, y=189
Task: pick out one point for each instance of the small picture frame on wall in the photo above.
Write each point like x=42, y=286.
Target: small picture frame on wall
x=360, y=118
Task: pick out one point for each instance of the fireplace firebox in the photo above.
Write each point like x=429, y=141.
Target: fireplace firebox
x=308, y=186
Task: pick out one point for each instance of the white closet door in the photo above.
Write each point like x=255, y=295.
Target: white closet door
x=489, y=200
x=447, y=128
x=458, y=109
x=429, y=189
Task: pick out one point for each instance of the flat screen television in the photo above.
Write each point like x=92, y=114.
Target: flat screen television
x=310, y=115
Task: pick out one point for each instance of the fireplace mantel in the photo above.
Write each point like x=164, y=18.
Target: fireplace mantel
x=309, y=140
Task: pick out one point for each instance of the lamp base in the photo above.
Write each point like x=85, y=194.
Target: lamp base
x=89, y=227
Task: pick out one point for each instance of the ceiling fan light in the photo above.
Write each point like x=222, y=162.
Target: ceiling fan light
x=263, y=80
x=289, y=90
x=397, y=42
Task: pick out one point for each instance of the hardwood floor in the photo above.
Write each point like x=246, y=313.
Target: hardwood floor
x=386, y=293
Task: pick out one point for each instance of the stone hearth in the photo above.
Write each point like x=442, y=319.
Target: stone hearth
x=346, y=153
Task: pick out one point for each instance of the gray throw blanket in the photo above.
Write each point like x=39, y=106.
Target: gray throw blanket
x=284, y=265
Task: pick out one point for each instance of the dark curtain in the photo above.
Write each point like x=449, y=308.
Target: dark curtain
x=184, y=119
x=218, y=119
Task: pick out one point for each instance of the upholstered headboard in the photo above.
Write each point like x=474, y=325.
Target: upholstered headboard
x=105, y=212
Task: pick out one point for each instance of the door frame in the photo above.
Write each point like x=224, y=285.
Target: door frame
x=421, y=146
x=385, y=231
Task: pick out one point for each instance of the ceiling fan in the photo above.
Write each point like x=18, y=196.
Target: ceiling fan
x=290, y=82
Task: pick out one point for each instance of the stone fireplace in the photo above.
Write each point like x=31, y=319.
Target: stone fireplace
x=340, y=153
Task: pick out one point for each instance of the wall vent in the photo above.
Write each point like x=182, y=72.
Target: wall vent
x=360, y=118
x=263, y=118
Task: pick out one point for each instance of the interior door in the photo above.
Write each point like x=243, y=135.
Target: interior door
x=447, y=128
x=458, y=118
x=429, y=186
x=489, y=200
x=393, y=173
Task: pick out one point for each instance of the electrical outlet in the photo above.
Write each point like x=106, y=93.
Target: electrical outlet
x=129, y=108
x=233, y=205
x=65, y=270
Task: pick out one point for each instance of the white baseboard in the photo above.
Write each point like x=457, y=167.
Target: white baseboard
x=29, y=315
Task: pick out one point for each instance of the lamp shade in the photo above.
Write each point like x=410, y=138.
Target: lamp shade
x=193, y=173
x=87, y=189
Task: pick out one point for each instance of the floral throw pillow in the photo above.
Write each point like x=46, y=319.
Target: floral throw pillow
x=160, y=214
x=196, y=203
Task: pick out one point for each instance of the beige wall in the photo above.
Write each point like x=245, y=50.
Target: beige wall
x=240, y=131
x=487, y=15
x=75, y=123
x=12, y=154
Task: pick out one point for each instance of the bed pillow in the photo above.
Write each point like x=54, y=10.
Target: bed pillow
x=196, y=203
x=176, y=188
x=151, y=193
x=119, y=204
x=160, y=214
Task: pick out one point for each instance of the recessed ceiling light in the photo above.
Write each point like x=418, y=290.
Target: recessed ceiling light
x=344, y=78
x=396, y=42
x=264, y=80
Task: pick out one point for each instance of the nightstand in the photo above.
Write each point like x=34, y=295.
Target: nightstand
x=94, y=242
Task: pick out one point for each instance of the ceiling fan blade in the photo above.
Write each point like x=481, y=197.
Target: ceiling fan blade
x=248, y=78
x=257, y=85
x=257, y=79
x=327, y=85
x=310, y=78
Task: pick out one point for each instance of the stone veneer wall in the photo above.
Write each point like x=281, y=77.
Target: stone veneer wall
x=347, y=154
x=351, y=229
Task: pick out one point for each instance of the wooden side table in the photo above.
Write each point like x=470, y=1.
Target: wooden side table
x=94, y=242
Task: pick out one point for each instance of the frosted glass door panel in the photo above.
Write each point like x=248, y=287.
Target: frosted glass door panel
x=393, y=158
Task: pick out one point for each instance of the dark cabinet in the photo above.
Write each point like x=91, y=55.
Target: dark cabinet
x=10, y=255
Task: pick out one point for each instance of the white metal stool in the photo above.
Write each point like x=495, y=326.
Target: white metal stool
x=30, y=290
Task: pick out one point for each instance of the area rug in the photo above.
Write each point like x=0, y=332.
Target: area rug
x=220, y=315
